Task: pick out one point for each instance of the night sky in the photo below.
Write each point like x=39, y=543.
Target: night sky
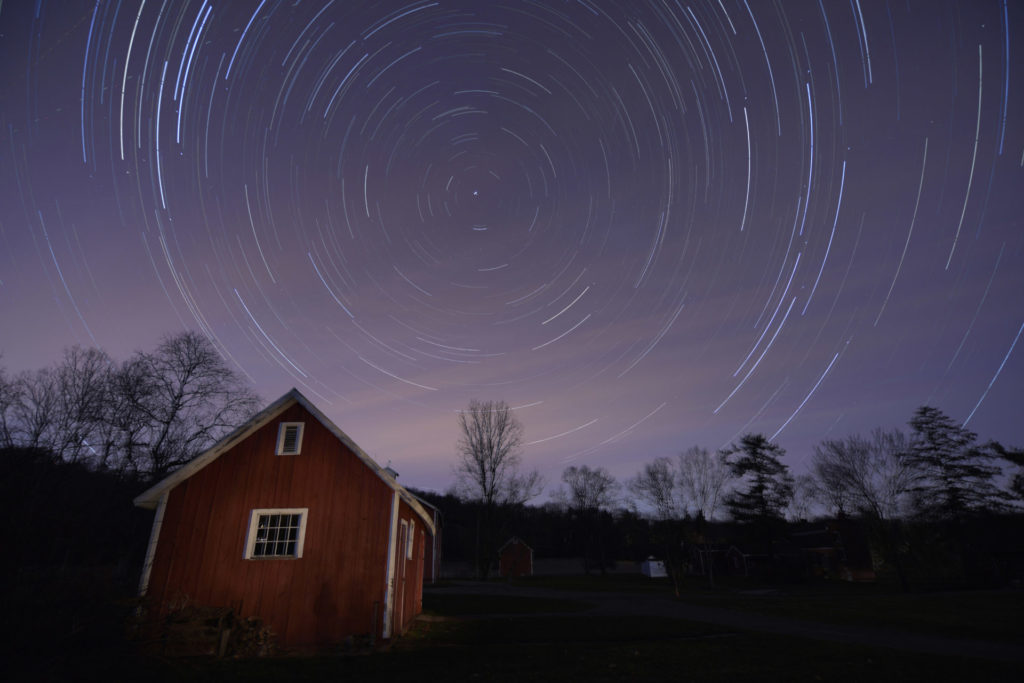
x=644, y=225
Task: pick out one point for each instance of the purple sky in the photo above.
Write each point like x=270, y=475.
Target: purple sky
x=645, y=225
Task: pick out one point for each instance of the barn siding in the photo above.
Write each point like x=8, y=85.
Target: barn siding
x=412, y=595
x=320, y=598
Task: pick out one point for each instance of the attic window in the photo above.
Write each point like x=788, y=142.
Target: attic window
x=289, y=438
x=276, y=533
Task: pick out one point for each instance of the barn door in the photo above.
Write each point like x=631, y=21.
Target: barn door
x=403, y=543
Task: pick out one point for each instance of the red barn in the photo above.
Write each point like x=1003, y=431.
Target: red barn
x=515, y=558
x=288, y=520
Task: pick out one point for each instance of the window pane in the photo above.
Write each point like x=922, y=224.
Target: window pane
x=277, y=535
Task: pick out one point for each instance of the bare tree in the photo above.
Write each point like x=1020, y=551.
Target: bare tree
x=124, y=430
x=82, y=382
x=587, y=492
x=588, y=489
x=655, y=487
x=805, y=493
x=10, y=396
x=188, y=398
x=35, y=410
x=149, y=415
x=872, y=478
x=702, y=481
x=861, y=475
x=488, y=469
x=59, y=408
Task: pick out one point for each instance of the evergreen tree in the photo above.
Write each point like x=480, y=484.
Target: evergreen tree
x=765, y=486
x=1015, y=458
x=953, y=476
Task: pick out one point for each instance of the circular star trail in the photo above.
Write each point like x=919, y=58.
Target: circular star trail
x=645, y=225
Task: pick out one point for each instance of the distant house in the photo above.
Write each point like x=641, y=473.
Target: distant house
x=515, y=558
x=288, y=520
x=838, y=549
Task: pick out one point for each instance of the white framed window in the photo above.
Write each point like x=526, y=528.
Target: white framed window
x=289, y=438
x=276, y=533
x=410, y=540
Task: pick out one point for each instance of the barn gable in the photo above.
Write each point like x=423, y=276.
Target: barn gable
x=151, y=497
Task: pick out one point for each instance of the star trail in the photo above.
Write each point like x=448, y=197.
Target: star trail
x=644, y=225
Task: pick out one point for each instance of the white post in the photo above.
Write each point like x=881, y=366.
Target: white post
x=389, y=595
x=154, y=537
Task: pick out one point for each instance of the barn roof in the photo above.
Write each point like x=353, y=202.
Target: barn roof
x=515, y=540
x=151, y=497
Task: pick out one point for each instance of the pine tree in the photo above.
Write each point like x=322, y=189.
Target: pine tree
x=769, y=485
x=953, y=476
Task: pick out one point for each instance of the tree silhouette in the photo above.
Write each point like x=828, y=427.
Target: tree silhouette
x=148, y=415
x=764, y=486
x=1014, y=457
x=655, y=487
x=702, y=480
x=869, y=477
x=488, y=470
x=586, y=493
x=866, y=476
x=188, y=397
x=952, y=475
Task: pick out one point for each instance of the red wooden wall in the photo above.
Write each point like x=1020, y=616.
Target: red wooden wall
x=337, y=586
x=516, y=560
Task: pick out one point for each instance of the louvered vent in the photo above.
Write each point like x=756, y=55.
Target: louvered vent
x=289, y=438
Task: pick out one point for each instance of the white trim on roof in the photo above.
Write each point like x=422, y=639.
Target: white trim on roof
x=151, y=497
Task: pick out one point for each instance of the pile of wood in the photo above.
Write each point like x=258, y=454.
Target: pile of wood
x=217, y=631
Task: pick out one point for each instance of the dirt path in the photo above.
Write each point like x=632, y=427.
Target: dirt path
x=641, y=604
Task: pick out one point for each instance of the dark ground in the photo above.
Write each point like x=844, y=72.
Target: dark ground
x=619, y=629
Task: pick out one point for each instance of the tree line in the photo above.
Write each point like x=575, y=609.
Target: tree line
x=143, y=417
x=931, y=481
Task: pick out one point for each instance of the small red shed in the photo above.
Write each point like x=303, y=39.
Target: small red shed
x=288, y=520
x=515, y=558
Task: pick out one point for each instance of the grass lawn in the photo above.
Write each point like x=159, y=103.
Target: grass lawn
x=595, y=583
x=985, y=615
x=574, y=648
x=469, y=605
